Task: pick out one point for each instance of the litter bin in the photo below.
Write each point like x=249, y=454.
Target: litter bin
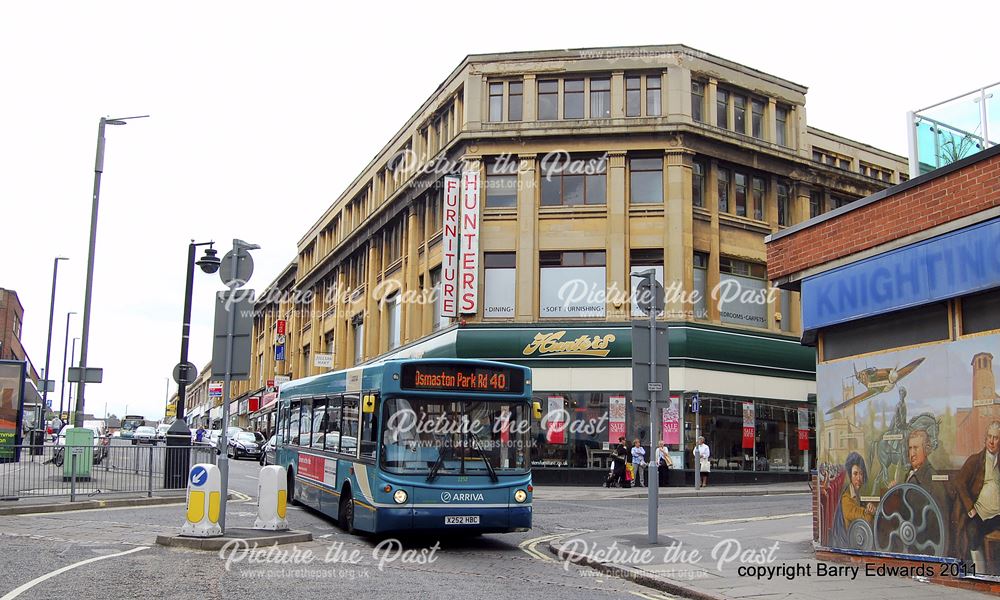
x=178, y=456
x=37, y=441
x=79, y=442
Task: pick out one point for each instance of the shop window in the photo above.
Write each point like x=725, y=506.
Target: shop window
x=572, y=284
x=909, y=327
x=981, y=312
x=499, y=288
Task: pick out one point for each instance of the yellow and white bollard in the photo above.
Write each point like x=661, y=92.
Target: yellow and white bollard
x=204, y=501
x=272, y=498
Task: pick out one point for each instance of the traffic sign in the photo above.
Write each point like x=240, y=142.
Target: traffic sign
x=243, y=271
x=279, y=353
x=695, y=403
x=199, y=475
x=650, y=299
x=281, y=327
x=185, y=373
x=279, y=340
x=654, y=386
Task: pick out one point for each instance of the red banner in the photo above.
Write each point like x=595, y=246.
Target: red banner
x=281, y=327
x=748, y=434
x=803, y=439
x=311, y=466
x=671, y=422
x=616, y=419
x=749, y=422
x=555, y=425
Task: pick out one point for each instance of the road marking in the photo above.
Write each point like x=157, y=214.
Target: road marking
x=652, y=595
x=749, y=519
x=20, y=590
x=529, y=546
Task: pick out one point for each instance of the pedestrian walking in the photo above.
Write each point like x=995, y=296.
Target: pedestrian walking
x=618, y=478
x=639, y=463
x=663, y=464
x=702, y=454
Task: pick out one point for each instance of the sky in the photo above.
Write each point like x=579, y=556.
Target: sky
x=262, y=113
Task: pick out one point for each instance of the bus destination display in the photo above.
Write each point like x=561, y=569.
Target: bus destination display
x=456, y=378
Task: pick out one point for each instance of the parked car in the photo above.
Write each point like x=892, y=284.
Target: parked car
x=101, y=443
x=244, y=443
x=161, y=431
x=144, y=435
x=267, y=452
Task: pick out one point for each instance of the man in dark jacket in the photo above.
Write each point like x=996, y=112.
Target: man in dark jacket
x=976, y=512
x=922, y=472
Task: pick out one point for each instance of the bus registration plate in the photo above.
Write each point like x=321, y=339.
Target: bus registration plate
x=462, y=520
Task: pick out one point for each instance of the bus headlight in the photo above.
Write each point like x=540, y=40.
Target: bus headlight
x=399, y=497
x=520, y=496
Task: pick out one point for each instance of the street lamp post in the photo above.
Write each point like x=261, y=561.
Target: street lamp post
x=48, y=344
x=72, y=358
x=62, y=388
x=179, y=435
x=84, y=343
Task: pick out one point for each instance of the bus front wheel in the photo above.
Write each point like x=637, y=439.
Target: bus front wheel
x=291, y=488
x=346, y=515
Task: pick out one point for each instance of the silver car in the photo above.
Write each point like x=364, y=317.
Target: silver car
x=144, y=435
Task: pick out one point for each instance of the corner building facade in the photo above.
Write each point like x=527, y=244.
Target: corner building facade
x=595, y=164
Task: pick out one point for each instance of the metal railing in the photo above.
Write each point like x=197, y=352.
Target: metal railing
x=40, y=471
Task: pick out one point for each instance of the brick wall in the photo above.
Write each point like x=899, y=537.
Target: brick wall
x=963, y=192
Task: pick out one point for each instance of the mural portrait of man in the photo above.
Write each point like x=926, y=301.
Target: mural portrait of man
x=977, y=505
x=922, y=472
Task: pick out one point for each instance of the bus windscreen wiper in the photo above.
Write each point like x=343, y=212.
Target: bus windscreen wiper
x=437, y=465
x=489, y=467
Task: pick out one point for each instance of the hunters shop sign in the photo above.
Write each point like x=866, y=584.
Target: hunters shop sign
x=582, y=345
x=552, y=343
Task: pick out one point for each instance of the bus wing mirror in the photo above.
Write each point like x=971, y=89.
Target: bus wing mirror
x=368, y=404
x=536, y=410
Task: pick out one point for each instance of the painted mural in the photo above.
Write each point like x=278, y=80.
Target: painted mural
x=908, y=444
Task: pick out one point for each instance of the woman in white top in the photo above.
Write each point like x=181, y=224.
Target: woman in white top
x=663, y=464
x=702, y=454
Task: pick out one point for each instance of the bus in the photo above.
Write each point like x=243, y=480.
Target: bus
x=411, y=445
x=129, y=424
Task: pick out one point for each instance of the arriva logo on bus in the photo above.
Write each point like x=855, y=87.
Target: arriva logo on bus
x=447, y=497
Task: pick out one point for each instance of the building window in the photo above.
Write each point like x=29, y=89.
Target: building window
x=328, y=343
x=574, y=182
x=500, y=281
x=394, y=305
x=600, y=98
x=701, y=285
x=757, y=119
x=496, y=102
x=741, y=194
x=758, y=198
x=722, y=177
x=646, y=180
x=981, y=312
x=815, y=203
x=501, y=184
x=697, y=101
x=573, y=99
x=359, y=341
x=437, y=320
x=837, y=201
x=740, y=114
x=781, y=122
x=17, y=331
x=786, y=310
x=548, y=100
x=783, y=204
x=642, y=260
x=572, y=284
x=653, y=95
x=908, y=327
x=722, y=109
x=749, y=306
x=633, y=96
x=697, y=184
x=435, y=210
x=306, y=366
x=515, y=100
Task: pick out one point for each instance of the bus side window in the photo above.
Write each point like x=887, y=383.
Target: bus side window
x=331, y=439
x=293, y=424
x=369, y=424
x=305, y=424
x=282, y=424
x=349, y=425
x=318, y=422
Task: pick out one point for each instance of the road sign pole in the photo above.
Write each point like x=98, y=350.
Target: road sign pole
x=696, y=409
x=652, y=484
x=227, y=380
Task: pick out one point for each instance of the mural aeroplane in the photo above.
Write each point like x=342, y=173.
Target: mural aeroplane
x=876, y=381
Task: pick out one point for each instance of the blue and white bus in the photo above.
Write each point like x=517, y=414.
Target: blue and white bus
x=412, y=444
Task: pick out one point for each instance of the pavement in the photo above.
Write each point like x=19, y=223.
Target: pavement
x=708, y=561
x=554, y=492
